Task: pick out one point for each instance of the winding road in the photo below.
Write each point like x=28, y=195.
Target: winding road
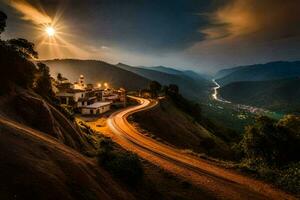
x=215, y=181
x=215, y=95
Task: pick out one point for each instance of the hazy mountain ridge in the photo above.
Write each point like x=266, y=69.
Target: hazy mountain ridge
x=282, y=95
x=190, y=73
x=259, y=72
x=97, y=71
x=192, y=88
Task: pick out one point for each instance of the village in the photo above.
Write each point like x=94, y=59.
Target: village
x=88, y=99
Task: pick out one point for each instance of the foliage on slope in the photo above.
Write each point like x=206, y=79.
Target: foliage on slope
x=282, y=95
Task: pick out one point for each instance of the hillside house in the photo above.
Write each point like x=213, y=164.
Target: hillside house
x=70, y=96
x=96, y=108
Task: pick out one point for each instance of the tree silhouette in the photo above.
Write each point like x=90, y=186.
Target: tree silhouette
x=3, y=18
x=23, y=47
x=154, y=87
x=43, y=84
x=59, y=77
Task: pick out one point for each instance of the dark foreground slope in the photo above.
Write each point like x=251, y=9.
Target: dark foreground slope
x=259, y=72
x=36, y=166
x=97, y=71
x=190, y=86
x=31, y=110
x=282, y=95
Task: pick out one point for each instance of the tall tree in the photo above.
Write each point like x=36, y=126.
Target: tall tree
x=3, y=19
x=154, y=87
x=59, y=77
x=43, y=84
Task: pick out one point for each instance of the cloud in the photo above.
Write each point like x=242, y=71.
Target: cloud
x=30, y=12
x=264, y=19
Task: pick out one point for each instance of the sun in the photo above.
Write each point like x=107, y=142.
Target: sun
x=50, y=31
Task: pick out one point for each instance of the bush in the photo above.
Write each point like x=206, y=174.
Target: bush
x=124, y=165
x=270, y=150
x=289, y=178
x=276, y=143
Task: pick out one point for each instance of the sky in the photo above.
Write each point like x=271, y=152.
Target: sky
x=204, y=36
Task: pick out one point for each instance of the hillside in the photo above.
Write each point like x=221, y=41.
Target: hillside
x=259, y=72
x=192, y=88
x=170, y=124
x=280, y=95
x=95, y=72
x=36, y=166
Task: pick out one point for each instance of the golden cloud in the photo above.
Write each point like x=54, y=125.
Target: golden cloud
x=30, y=12
x=257, y=19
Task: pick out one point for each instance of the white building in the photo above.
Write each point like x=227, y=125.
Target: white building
x=71, y=95
x=96, y=108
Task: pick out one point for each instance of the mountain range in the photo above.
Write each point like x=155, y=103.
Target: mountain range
x=272, y=85
x=191, y=84
x=259, y=72
x=281, y=95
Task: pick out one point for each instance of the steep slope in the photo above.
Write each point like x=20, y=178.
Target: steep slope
x=29, y=109
x=281, y=95
x=189, y=87
x=176, y=127
x=36, y=166
x=260, y=72
x=97, y=71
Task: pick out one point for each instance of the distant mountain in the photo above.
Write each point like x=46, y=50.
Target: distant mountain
x=280, y=95
x=97, y=71
x=259, y=72
x=167, y=70
x=197, y=76
x=189, y=73
x=192, y=88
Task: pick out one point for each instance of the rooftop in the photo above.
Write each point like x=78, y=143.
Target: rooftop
x=98, y=104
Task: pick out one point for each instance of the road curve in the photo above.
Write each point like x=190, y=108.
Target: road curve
x=215, y=95
x=215, y=181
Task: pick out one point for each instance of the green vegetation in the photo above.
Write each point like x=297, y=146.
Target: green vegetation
x=124, y=165
x=270, y=149
x=154, y=88
x=279, y=95
x=43, y=83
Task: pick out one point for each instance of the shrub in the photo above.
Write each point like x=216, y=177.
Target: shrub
x=124, y=165
x=274, y=142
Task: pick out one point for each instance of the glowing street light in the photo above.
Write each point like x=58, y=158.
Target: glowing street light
x=106, y=85
x=99, y=85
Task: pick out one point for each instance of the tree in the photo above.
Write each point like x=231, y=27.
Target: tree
x=272, y=142
x=3, y=19
x=59, y=77
x=43, y=83
x=23, y=47
x=174, y=89
x=154, y=87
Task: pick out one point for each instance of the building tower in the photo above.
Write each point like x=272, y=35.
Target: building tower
x=81, y=81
